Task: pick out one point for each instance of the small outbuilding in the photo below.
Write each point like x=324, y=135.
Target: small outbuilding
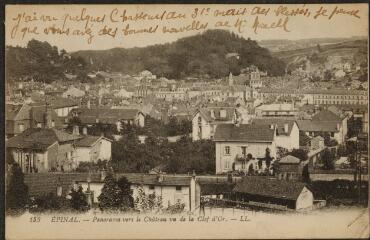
x=274, y=194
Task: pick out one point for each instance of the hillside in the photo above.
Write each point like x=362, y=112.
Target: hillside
x=202, y=55
x=352, y=51
x=278, y=45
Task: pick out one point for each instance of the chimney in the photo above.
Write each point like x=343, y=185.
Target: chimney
x=222, y=113
x=271, y=126
x=103, y=174
x=84, y=130
x=160, y=177
x=212, y=114
x=48, y=120
x=76, y=130
x=338, y=126
x=88, y=104
x=286, y=127
x=100, y=98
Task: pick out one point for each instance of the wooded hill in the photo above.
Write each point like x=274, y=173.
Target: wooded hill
x=202, y=55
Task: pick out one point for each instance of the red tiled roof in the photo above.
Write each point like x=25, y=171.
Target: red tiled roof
x=244, y=133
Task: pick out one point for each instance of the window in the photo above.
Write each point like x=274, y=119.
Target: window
x=151, y=187
x=332, y=134
x=227, y=150
x=178, y=188
x=39, y=125
x=53, y=123
x=21, y=127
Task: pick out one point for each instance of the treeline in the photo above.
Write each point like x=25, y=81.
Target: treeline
x=42, y=62
x=183, y=156
x=202, y=55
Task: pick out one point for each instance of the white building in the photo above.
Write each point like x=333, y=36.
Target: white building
x=171, y=188
x=93, y=148
x=235, y=142
x=287, y=131
x=276, y=110
x=205, y=121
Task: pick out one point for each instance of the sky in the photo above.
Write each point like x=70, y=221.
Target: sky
x=351, y=21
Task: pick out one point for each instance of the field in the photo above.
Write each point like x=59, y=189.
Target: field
x=351, y=222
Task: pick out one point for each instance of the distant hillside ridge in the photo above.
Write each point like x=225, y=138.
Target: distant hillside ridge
x=202, y=55
x=352, y=51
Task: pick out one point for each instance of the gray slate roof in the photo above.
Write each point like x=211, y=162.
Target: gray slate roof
x=244, y=133
x=270, y=188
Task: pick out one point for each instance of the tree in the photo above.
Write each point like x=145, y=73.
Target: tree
x=126, y=198
x=110, y=197
x=79, y=199
x=17, y=190
x=328, y=159
x=299, y=153
x=268, y=157
x=145, y=203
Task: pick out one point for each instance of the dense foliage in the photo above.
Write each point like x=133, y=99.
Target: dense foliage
x=42, y=62
x=78, y=199
x=147, y=202
x=299, y=153
x=17, y=190
x=115, y=195
x=202, y=55
x=183, y=156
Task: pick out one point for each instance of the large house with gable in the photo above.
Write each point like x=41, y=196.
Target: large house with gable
x=240, y=146
x=206, y=120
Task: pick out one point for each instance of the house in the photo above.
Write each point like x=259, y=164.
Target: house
x=90, y=117
x=240, y=146
x=206, y=120
x=290, y=168
x=73, y=92
x=171, y=188
x=325, y=122
x=276, y=110
x=43, y=150
x=273, y=193
x=93, y=148
x=287, y=131
x=20, y=118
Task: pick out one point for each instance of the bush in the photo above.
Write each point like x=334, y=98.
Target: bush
x=78, y=199
x=49, y=202
x=17, y=190
x=176, y=208
x=147, y=203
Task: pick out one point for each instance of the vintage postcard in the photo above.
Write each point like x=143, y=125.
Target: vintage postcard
x=186, y=121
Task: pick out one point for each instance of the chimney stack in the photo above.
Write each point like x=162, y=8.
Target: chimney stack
x=286, y=127
x=160, y=177
x=76, y=130
x=338, y=126
x=88, y=104
x=84, y=130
